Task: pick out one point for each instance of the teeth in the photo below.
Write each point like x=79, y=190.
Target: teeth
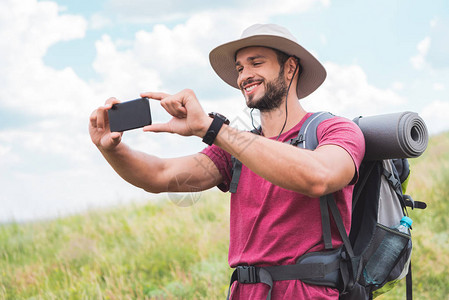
x=249, y=89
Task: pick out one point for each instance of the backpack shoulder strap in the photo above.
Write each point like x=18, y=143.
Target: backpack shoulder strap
x=235, y=173
x=307, y=137
x=237, y=168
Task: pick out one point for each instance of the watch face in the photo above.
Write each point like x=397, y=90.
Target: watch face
x=218, y=115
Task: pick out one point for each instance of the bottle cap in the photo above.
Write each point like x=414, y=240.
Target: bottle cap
x=407, y=221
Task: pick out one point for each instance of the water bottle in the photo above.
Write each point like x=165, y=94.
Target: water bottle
x=404, y=225
x=384, y=258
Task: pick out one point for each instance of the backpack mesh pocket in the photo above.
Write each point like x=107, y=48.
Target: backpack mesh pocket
x=387, y=247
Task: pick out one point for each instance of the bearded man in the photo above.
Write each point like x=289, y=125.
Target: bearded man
x=275, y=211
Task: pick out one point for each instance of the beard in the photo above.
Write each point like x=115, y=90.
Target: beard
x=276, y=91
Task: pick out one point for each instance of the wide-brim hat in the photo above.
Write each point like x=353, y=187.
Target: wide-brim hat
x=222, y=58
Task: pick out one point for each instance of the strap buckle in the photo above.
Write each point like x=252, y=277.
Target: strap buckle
x=297, y=140
x=246, y=274
x=396, y=184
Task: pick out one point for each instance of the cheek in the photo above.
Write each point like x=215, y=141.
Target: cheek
x=239, y=81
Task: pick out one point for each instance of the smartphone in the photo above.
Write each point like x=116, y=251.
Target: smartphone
x=129, y=115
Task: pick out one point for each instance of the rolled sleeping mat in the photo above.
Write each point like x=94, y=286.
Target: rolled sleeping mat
x=397, y=135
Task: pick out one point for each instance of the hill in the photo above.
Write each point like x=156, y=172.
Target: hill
x=165, y=251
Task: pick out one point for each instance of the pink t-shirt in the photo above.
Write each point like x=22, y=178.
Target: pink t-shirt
x=270, y=225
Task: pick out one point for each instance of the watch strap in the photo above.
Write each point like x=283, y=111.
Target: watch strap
x=213, y=130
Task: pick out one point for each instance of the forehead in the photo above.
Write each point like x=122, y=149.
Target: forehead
x=252, y=52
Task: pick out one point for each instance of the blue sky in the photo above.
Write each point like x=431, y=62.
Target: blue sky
x=59, y=60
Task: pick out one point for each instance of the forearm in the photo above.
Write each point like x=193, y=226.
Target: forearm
x=289, y=167
x=137, y=168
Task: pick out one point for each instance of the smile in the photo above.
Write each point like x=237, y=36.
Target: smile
x=250, y=87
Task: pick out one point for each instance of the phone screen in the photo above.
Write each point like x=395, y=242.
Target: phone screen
x=129, y=115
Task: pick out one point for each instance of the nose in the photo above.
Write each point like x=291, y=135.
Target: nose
x=244, y=75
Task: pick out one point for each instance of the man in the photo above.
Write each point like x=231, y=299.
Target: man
x=275, y=212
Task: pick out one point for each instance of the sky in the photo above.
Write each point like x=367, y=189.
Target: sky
x=60, y=60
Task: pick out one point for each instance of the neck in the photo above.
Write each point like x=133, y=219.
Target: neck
x=273, y=121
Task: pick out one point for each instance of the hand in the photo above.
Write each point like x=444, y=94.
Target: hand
x=189, y=117
x=99, y=130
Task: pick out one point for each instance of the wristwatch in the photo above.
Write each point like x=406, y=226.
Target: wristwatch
x=215, y=127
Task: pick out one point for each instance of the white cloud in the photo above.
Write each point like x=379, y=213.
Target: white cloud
x=398, y=86
x=435, y=116
x=7, y=157
x=54, y=155
x=347, y=92
x=419, y=61
x=284, y=6
x=28, y=28
x=121, y=72
x=27, y=31
x=98, y=21
x=438, y=86
x=143, y=11
x=434, y=22
x=423, y=46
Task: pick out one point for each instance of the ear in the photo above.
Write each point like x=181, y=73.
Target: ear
x=290, y=67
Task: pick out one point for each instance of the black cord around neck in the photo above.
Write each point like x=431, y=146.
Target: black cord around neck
x=286, y=97
x=252, y=122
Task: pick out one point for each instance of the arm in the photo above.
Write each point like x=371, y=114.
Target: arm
x=313, y=173
x=146, y=171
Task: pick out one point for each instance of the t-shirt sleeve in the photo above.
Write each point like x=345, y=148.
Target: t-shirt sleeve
x=222, y=161
x=346, y=134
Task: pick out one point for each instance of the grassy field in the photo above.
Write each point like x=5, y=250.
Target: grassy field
x=164, y=251
x=154, y=251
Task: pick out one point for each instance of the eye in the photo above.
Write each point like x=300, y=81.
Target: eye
x=239, y=69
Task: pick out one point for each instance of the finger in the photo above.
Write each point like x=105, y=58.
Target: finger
x=111, y=101
x=93, y=119
x=102, y=118
x=163, y=127
x=174, y=107
x=179, y=111
x=155, y=95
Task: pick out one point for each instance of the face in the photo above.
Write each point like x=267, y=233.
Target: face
x=261, y=78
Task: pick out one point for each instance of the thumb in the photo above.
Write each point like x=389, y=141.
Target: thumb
x=116, y=137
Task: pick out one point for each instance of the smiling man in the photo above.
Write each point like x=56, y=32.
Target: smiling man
x=275, y=212
x=275, y=90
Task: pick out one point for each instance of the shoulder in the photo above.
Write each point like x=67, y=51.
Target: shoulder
x=340, y=127
x=342, y=132
x=337, y=123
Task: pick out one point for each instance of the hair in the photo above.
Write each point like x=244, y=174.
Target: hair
x=282, y=57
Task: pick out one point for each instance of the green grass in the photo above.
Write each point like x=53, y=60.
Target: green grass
x=164, y=251
x=154, y=251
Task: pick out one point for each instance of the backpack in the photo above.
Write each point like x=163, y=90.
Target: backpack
x=374, y=256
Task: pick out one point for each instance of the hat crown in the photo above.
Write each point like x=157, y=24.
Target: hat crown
x=268, y=29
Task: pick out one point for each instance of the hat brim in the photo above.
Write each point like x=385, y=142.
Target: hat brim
x=222, y=59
